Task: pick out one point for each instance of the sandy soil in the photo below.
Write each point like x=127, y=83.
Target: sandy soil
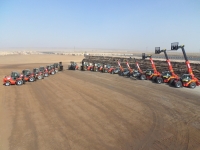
x=91, y=110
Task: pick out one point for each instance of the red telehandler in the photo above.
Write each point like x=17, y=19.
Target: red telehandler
x=152, y=74
x=168, y=76
x=121, y=68
x=129, y=72
x=186, y=80
x=138, y=73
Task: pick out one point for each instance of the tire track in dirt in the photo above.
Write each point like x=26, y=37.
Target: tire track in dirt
x=152, y=129
x=53, y=108
x=63, y=91
x=186, y=132
x=86, y=110
x=23, y=124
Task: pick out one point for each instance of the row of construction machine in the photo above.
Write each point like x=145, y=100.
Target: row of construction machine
x=169, y=76
x=186, y=80
x=30, y=76
x=96, y=67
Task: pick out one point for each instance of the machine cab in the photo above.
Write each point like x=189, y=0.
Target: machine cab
x=166, y=74
x=56, y=65
x=186, y=77
x=48, y=67
x=42, y=69
x=36, y=70
x=15, y=75
x=149, y=71
x=26, y=72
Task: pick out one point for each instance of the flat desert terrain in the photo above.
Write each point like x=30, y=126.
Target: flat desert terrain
x=90, y=110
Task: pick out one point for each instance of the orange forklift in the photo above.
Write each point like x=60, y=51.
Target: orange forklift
x=129, y=71
x=167, y=76
x=138, y=73
x=152, y=74
x=14, y=79
x=121, y=69
x=186, y=80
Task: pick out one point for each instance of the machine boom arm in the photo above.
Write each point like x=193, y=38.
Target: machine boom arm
x=169, y=63
x=153, y=65
x=187, y=61
x=121, y=68
x=138, y=67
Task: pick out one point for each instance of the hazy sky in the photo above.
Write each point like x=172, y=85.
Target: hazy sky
x=107, y=24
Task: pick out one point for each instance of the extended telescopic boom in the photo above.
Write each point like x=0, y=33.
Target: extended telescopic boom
x=152, y=63
x=158, y=51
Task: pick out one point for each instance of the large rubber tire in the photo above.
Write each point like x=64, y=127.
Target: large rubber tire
x=40, y=77
x=142, y=77
x=178, y=84
x=159, y=80
x=153, y=78
x=31, y=79
x=46, y=74
x=192, y=85
x=19, y=82
x=7, y=84
x=171, y=81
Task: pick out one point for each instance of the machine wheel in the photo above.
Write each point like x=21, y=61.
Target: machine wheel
x=192, y=85
x=31, y=79
x=46, y=74
x=40, y=77
x=159, y=80
x=171, y=81
x=52, y=72
x=178, y=84
x=142, y=77
x=19, y=82
x=7, y=83
x=153, y=78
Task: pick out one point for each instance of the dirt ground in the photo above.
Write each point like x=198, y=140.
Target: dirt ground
x=91, y=110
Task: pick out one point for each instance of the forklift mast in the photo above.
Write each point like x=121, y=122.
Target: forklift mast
x=127, y=63
x=152, y=63
x=158, y=51
x=175, y=46
x=121, y=68
x=137, y=65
